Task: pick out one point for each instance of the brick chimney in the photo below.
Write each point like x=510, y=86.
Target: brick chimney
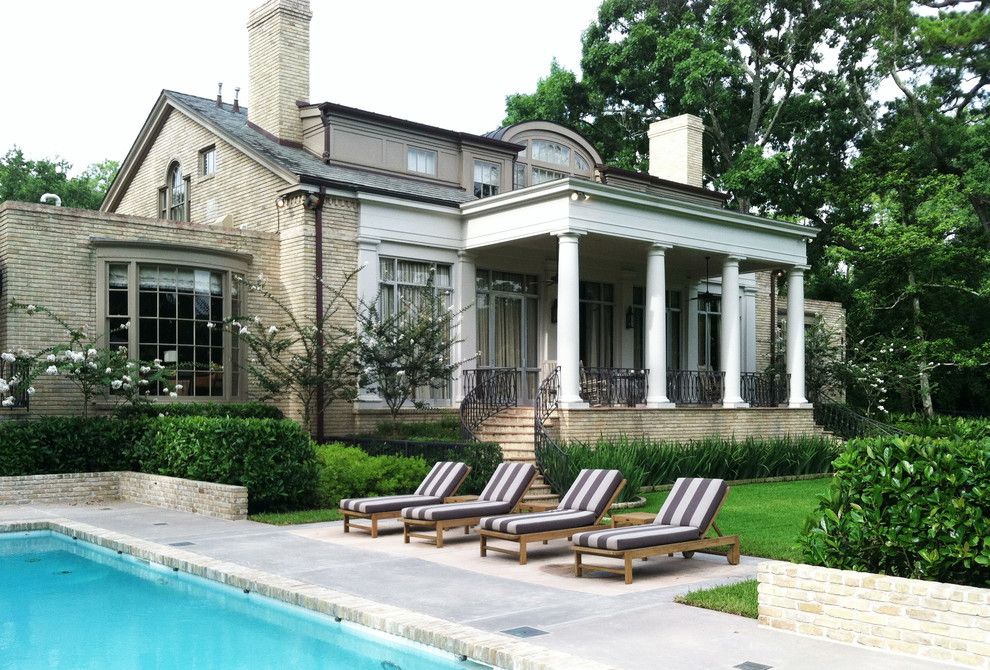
x=278, y=66
x=676, y=149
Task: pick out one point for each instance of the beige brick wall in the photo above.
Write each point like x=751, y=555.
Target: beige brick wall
x=185, y=495
x=241, y=187
x=930, y=620
x=681, y=424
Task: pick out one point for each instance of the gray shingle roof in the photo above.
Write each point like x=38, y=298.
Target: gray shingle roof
x=304, y=164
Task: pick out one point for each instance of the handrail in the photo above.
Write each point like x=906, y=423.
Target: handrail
x=17, y=391
x=490, y=390
x=605, y=387
x=764, y=389
x=552, y=461
x=695, y=387
x=842, y=421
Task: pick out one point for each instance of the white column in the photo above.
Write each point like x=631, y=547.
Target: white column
x=731, y=333
x=656, y=327
x=690, y=344
x=367, y=291
x=568, y=320
x=465, y=292
x=795, y=336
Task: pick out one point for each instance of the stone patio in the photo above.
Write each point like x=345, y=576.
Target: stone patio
x=598, y=618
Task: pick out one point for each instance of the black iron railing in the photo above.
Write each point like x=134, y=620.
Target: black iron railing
x=764, y=389
x=552, y=461
x=487, y=392
x=695, y=387
x=842, y=421
x=13, y=385
x=604, y=387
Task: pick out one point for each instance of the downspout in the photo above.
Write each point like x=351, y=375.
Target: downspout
x=773, y=319
x=319, y=314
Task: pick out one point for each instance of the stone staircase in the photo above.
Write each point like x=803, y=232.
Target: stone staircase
x=512, y=429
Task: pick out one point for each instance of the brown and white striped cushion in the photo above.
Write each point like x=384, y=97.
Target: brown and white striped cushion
x=692, y=502
x=508, y=483
x=464, y=510
x=591, y=491
x=386, y=503
x=442, y=480
x=519, y=524
x=634, y=537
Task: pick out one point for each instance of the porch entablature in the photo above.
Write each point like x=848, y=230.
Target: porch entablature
x=581, y=206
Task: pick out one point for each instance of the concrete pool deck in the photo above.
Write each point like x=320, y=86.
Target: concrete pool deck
x=599, y=618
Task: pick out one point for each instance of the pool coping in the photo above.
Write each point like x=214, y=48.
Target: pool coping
x=477, y=645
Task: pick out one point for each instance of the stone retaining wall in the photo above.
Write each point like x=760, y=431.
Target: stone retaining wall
x=217, y=500
x=930, y=620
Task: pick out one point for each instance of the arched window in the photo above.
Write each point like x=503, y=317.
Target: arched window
x=173, y=198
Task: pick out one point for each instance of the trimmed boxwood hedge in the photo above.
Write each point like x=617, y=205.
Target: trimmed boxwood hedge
x=909, y=507
x=275, y=460
x=350, y=472
x=241, y=410
x=62, y=444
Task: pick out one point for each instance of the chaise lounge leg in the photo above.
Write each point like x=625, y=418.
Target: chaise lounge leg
x=405, y=533
x=733, y=554
x=484, y=546
x=374, y=526
x=522, y=552
x=347, y=524
x=628, y=568
x=577, y=564
x=439, y=541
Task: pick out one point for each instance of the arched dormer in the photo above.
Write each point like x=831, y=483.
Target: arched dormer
x=173, y=198
x=552, y=152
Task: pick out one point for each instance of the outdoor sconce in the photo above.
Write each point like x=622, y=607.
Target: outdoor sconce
x=553, y=311
x=629, y=317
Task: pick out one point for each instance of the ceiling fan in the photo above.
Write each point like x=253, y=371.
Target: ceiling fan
x=706, y=297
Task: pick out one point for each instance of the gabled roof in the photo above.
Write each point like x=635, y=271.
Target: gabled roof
x=292, y=163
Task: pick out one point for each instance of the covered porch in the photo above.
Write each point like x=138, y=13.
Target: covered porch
x=612, y=298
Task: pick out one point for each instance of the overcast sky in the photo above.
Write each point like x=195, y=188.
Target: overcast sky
x=81, y=76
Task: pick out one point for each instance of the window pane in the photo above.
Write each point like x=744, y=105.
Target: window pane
x=550, y=152
x=540, y=175
x=486, y=179
x=519, y=175
x=117, y=276
x=117, y=304
x=580, y=163
x=423, y=161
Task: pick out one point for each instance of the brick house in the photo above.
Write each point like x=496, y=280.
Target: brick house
x=641, y=288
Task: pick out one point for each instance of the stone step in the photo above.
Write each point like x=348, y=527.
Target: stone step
x=507, y=431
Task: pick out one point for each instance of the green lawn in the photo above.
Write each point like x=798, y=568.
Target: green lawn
x=739, y=598
x=768, y=518
x=302, y=516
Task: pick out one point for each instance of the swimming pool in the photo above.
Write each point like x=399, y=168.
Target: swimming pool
x=70, y=604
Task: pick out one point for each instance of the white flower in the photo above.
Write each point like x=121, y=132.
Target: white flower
x=30, y=390
x=92, y=353
x=400, y=373
x=10, y=358
x=272, y=330
x=143, y=382
x=145, y=369
x=108, y=371
x=8, y=402
x=257, y=319
x=52, y=370
x=92, y=364
x=178, y=387
x=161, y=416
x=173, y=394
x=31, y=309
x=126, y=379
x=164, y=389
x=50, y=358
x=243, y=330
x=210, y=324
x=127, y=325
x=4, y=387
x=116, y=384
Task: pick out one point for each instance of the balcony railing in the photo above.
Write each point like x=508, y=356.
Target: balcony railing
x=695, y=387
x=762, y=389
x=486, y=392
x=606, y=387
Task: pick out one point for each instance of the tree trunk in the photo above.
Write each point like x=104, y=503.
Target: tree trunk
x=924, y=383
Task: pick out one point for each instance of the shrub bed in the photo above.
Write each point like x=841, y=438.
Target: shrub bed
x=483, y=457
x=241, y=410
x=349, y=472
x=909, y=507
x=275, y=460
x=971, y=428
x=58, y=445
x=445, y=429
x=647, y=462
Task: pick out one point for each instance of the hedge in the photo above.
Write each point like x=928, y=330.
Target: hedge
x=57, y=445
x=483, y=457
x=349, y=472
x=242, y=410
x=275, y=460
x=909, y=507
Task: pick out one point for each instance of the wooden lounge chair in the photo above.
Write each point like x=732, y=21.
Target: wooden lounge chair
x=441, y=482
x=582, y=509
x=501, y=496
x=681, y=525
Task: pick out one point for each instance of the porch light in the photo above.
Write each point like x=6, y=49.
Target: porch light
x=579, y=195
x=280, y=202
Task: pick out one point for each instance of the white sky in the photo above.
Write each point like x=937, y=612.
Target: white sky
x=81, y=76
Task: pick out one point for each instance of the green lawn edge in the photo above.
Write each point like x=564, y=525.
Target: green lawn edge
x=739, y=598
x=298, y=517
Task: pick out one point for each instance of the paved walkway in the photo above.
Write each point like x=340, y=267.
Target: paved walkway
x=637, y=627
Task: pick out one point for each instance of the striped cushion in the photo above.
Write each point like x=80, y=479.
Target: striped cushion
x=634, y=537
x=442, y=480
x=386, y=503
x=692, y=502
x=508, y=483
x=464, y=510
x=518, y=524
x=591, y=491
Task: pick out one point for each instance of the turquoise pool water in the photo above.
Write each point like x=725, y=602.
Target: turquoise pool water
x=69, y=604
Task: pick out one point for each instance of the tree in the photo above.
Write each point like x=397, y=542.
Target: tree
x=401, y=352
x=27, y=180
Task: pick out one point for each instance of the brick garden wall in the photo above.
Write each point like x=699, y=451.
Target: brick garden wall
x=930, y=620
x=185, y=495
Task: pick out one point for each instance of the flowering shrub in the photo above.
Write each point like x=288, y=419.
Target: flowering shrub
x=17, y=373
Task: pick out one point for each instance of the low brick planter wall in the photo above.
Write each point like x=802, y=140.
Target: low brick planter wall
x=185, y=495
x=930, y=620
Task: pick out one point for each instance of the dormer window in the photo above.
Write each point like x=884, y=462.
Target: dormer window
x=173, y=198
x=486, y=179
x=550, y=152
x=423, y=161
x=208, y=162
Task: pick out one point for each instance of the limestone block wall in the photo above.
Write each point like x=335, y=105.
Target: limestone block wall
x=681, y=424
x=930, y=620
x=217, y=500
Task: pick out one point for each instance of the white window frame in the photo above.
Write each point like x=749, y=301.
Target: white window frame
x=208, y=161
x=487, y=178
x=421, y=161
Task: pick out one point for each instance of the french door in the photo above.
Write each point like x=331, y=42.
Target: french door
x=507, y=327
